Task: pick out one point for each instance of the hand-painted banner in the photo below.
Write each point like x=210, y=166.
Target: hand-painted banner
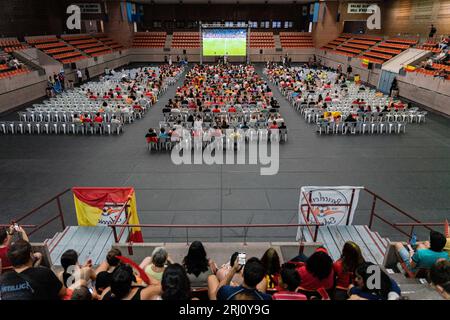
x=105, y=206
x=331, y=206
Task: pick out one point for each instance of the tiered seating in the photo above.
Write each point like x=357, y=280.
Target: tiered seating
x=7, y=70
x=87, y=44
x=354, y=45
x=109, y=42
x=262, y=40
x=149, y=39
x=296, y=40
x=430, y=46
x=387, y=50
x=11, y=44
x=56, y=48
x=186, y=40
x=336, y=42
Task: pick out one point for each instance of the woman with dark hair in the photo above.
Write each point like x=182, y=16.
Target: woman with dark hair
x=364, y=289
x=175, y=283
x=73, y=275
x=224, y=269
x=122, y=287
x=289, y=282
x=345, y=267
x=198, y=266
x=271, y=262
x=317, y=272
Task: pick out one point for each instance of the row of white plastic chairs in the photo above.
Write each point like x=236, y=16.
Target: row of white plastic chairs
x=360, y=127
x=315, y=115
x=188, y=142
x=29, y=127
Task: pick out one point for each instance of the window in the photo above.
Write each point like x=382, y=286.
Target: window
x=229, y=23
x=253, y=24
x=265, y=24
x=157, y=24
x=276, y=24
x=288, y=24
x=240, y=23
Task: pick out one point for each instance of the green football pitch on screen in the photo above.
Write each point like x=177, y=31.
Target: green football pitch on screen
x=222, y=46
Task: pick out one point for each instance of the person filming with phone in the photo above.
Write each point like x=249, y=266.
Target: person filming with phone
x=253, y=286
x=6, y=239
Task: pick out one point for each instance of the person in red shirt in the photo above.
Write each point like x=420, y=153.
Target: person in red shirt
x=5, y=242
x=86, y=119
x=316, y=273
x=289, y=282
x=137, y=108
x=93, y=97
x=6, y=237
x=274, y=125
x=216, y=109
x=98, y=118
x=345, y=268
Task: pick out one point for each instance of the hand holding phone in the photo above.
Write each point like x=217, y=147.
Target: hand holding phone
x=241, y=258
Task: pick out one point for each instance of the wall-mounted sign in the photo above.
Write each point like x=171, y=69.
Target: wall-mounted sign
x=354, y=7
x=90, y=8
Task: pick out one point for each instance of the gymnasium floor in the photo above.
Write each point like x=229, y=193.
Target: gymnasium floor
x=411, y=170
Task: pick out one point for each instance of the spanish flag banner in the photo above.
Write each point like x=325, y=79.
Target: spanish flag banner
x=365, y=62
x=409, y=68
x=105, y=206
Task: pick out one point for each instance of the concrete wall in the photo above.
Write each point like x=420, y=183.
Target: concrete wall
x=431, y=92
x=333, y=60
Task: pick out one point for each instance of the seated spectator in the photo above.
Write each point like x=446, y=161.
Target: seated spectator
x=6, y=239
x=102, y=281
x=350, y=118
x=289, y=282
x=98, y=118
x=222, y=272
x=198, y=266
x=86, y=119
x=274, y=125
x=317, y=272
x=175, y=284
x=388, y=290
x=82, y=294
x=254, y=274
x=155, y=265
x=74, y=275
x=426, y=254
x=440, y=278
x=28, y=282
x=163, y=134
x=115, y=120
x=282, y=126
x=271, y=263
x=111, y=262
x=122, y=287
x=345, y=267
x=151, y=136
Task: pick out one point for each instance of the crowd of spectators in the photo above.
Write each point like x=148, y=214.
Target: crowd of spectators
x=158, y=277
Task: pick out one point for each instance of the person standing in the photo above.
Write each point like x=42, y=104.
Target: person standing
x=79, y=77
x=432, y=31
x=86, y=73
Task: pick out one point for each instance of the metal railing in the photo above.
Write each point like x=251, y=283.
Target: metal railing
x=59, y=215
x=397, y=226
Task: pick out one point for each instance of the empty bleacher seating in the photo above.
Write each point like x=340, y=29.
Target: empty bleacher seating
x=56, y=48
x=107, y=41
x=262, y=40
x=186, y=40
x=296, y=40
x=149, y=39
x=87, y=44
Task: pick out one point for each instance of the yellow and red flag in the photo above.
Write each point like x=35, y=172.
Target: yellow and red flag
x=104, y=206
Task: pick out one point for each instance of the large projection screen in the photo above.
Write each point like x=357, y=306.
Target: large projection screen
x=221, y=42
